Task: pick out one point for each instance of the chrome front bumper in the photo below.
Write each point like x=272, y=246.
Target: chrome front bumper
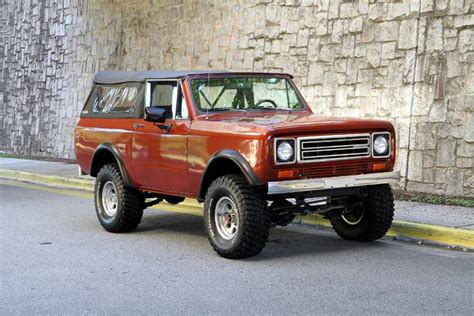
x=293, y=186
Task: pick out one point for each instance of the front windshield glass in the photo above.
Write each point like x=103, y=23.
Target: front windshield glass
x=244, y=93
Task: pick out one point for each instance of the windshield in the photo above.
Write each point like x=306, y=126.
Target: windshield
x=237, y=93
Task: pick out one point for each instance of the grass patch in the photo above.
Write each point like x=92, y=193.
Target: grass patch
x=434, y=198
x=2, y=155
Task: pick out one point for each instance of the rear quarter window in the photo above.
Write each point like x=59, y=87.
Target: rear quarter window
x=115, y=101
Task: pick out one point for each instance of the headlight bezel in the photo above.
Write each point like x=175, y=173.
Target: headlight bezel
x=276, y=143
x=388, y=137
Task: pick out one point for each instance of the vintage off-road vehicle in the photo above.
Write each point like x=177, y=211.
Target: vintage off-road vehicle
x=245, y=144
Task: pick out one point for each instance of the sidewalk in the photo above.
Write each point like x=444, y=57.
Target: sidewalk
x=38, y=166
x=431, y=219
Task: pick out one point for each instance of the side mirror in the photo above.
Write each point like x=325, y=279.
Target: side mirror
x=155, y=114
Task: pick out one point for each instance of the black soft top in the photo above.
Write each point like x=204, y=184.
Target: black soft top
x=111, y=77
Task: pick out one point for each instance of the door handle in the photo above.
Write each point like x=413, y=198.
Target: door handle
x=138, y=125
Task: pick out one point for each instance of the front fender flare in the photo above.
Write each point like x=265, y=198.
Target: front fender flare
x=236, y=158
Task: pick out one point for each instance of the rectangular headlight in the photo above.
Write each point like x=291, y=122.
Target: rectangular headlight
x=381, y=145
x=284, y=150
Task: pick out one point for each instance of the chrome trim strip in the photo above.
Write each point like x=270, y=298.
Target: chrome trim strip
x=339, y=148
x=293, y=186
x=337, y=155
x=335, y=136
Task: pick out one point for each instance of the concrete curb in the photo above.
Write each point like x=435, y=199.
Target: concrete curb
x=428, y=233
x=61, y=182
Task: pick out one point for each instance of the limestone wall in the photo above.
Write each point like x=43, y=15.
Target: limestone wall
x=411, y=62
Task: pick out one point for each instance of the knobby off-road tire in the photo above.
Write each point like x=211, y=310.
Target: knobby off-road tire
x=281, y=218
x=247, y=212
x=126, y=213
x=376, y=219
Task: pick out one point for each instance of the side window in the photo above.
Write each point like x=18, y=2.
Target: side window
x=167, y=95
x=163, y=95
x=115, y=99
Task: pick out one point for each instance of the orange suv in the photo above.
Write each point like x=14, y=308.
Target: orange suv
x=245, y=144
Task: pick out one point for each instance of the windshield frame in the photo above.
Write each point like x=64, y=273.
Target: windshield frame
x=287, y=77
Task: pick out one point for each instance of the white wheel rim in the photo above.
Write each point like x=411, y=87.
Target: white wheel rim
x=226, y=218
x=351, y=221
x=109, y=199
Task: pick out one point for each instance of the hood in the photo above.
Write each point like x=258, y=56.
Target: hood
x=303, y=122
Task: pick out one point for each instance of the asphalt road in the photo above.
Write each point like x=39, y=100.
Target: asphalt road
x=55, y=258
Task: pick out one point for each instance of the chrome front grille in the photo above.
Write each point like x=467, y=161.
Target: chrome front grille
x=334, y=147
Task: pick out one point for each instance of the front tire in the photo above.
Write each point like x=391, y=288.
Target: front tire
x=372, y=220
x=119, y=209
x=236, y=218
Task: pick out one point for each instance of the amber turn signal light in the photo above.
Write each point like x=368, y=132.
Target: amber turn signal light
x=286, y=173
x=378, y=166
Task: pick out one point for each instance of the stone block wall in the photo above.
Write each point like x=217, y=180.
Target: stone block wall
x=411, y=62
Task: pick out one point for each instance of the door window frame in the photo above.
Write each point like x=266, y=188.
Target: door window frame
x=178, y=97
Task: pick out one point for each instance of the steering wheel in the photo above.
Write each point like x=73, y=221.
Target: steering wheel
x=268, y=101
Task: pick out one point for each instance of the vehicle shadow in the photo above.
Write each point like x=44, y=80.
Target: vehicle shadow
x=292, y=241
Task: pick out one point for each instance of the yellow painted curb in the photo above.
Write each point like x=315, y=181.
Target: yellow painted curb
x=426, y=232
x=400, y=229
x=48, y=180
x=434, y=233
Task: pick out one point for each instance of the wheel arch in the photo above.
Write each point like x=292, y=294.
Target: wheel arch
x=107, y=153
x=224, y=162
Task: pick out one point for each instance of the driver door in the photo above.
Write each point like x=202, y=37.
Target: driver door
x=160, y=150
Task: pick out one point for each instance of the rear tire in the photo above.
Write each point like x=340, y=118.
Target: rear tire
x=280, y=213
x=236, y=218
x=119, y=209
x=373, y=221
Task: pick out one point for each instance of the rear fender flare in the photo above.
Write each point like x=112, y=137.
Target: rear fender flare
x=111, y=150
